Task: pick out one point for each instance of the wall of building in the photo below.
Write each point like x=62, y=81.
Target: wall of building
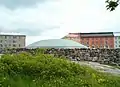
x=12, y=41
x=117, y=42
x=98, y=42
x=93, y=40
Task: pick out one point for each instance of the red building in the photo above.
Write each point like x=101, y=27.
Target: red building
x=93, y=40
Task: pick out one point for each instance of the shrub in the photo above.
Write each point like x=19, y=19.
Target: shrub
x=48, y=71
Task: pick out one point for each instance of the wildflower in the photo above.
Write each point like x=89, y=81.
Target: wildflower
x=33, y=80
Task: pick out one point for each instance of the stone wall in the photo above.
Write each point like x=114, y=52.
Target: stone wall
x=104, y=56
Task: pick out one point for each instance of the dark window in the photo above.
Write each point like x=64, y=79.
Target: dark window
x=87, y=42
x=119, y=45
x=19, y=45
x=14, y=45
x=1, y=45
x=119, y=37
x=1, y=41
x=105, y=42
x=9, y=44
x=5, y=37
x=14, y=41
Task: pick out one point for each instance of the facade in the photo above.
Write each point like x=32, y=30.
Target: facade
x=12, y=41
x=94, y=40
x=117, y=42
x=97, y=40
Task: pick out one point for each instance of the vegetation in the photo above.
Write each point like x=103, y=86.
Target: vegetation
x=112, y=4
x=40, y=70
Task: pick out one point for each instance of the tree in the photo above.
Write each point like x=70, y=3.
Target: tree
x=112, y=4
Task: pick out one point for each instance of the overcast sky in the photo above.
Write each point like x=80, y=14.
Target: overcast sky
x=46, y=19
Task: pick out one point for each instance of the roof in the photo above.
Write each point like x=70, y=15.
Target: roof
x=11, y=34
x=116, y=34
x=101, y=34
x=56, y=43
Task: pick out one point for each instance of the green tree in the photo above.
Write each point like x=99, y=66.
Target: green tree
x=112, y=4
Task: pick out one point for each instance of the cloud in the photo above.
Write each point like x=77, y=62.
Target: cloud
x=31, y=21
x=13, y=4
x=56, y=18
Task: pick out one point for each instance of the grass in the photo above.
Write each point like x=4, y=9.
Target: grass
x=25, y=70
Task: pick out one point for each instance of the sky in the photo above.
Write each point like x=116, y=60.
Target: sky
x=53, y=19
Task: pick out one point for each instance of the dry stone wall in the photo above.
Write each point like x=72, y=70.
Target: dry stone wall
x=104, y=56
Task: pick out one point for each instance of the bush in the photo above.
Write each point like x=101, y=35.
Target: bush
x=42, y=69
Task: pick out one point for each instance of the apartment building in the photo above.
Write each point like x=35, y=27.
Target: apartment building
x=12, y=41
x=93, y=40
x=117, y=40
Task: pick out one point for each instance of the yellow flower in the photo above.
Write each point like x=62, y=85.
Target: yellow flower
x=33, y=80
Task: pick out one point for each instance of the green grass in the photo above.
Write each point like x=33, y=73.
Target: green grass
x=25, y=70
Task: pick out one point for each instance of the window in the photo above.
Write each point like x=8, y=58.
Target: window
x=92, y=42
x=119, y=37
x=5, y=45
x=19, y=37
x=1, y=45
x=87, y=43
x=14, y=37
x=119, y=45
x=5, y=41
x=87, y=38
x=14, y=45
x=82, y=38
x=9, y=37
x=14, y=41
x=5, y=37
x=96, y=42
x=105, y=42
x=0, y=41
x=19, y=45
x=9, y=44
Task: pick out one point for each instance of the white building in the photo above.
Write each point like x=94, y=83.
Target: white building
x=117, y=40
x=12, y=40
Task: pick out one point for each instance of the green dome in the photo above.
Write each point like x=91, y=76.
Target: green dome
x=56, y=43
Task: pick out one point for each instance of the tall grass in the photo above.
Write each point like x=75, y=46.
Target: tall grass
x=26, y=70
